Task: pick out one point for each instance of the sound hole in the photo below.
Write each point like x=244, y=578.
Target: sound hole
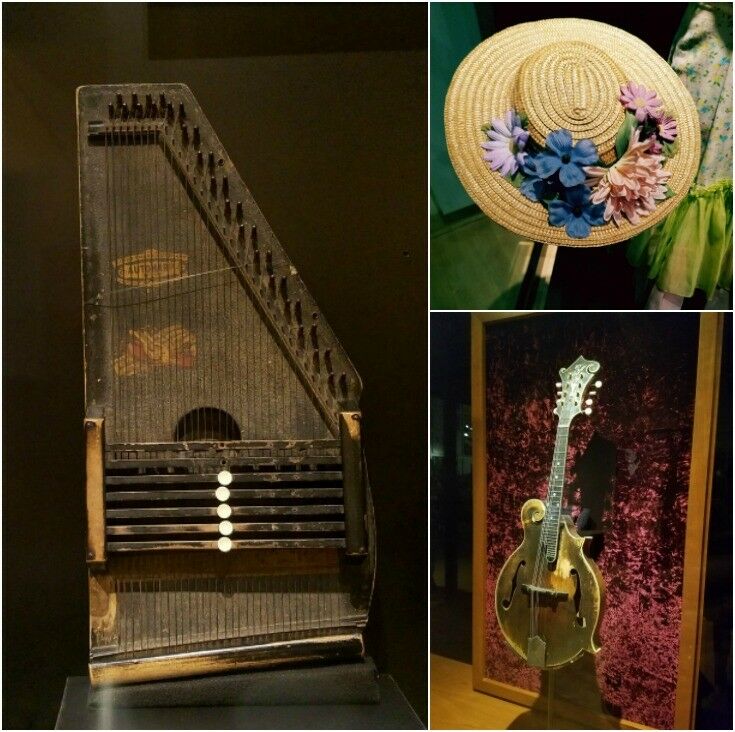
x=506, y=602
x=207, y=423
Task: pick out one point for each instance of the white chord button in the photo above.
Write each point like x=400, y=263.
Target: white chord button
x=224, y=544
x=222, y=493
x=225, y=528
x=224, y=477
x=224, y=511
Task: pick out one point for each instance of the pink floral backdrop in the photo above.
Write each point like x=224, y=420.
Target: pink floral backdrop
x=645, y=409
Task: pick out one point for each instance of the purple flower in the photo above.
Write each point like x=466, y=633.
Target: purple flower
x=577, y=213
x=666, y=127
x=564, y=156
x=507, y=140
x=638, y=99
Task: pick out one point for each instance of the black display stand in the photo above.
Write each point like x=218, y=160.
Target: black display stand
x=290, y=699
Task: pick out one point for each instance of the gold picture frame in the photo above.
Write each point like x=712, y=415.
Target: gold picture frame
x=695, y=547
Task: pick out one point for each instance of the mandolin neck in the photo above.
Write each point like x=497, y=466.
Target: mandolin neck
x=550, y=529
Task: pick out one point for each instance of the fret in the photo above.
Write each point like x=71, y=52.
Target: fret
x=550, y=528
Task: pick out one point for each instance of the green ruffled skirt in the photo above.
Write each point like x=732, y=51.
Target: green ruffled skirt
x=692, y=247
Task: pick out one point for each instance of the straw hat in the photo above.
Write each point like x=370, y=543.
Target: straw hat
x=563, y=73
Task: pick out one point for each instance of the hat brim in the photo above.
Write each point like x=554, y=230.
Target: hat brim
x=482, y=89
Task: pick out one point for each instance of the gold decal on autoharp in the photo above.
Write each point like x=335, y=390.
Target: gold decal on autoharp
x=150, y=347
x=150, y=268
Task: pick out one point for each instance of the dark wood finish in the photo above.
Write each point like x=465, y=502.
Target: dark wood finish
x=205, y=353
x=259, y=477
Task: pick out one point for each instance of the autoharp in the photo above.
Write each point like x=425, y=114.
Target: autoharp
x=230, y=523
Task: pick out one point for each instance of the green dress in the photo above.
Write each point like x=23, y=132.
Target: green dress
x=692, y=248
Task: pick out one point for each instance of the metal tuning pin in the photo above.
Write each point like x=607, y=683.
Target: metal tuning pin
x=598, y=384
x=592, y=393
x=588, y=411
x=588, y=402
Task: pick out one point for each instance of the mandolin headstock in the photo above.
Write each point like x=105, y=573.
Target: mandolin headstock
x=573, y=397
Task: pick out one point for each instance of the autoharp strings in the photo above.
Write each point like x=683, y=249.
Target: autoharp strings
x=192, y=357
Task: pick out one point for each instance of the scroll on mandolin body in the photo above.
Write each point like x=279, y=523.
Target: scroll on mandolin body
x=549, y=595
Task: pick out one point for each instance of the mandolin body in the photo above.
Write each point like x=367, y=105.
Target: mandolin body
x=569, y=602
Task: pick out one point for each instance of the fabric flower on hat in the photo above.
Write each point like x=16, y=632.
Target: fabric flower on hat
x=563, y=156
x=577, y=213
x=638, y=99
x=666, y=127
x=533, y=186
x=506, y=143
x=632, y=185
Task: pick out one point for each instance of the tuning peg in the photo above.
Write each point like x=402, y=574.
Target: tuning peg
x=588, y=402
x=598, y=384
x=592, y=393
x=588, y=411
x=558, y=384
x=556, y=411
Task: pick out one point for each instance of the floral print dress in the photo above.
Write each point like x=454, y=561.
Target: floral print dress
x=692, y=248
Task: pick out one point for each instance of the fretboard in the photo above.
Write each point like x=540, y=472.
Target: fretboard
x=550, y=529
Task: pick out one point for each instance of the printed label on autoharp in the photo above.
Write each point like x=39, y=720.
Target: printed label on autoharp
x=150, y=268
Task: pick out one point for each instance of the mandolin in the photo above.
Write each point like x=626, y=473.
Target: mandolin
x=549, y=595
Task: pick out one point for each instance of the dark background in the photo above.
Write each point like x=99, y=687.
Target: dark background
x=333, y=147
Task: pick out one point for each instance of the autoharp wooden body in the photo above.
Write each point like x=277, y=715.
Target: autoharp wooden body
x=230, y=523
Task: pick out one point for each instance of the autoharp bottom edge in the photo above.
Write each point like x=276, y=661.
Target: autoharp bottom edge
x=224, y=660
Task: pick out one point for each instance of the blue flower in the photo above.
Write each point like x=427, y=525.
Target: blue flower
x=563, y=156
x=534, y=186
x=577, y=213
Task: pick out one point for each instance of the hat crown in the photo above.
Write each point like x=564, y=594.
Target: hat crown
x=575, y=86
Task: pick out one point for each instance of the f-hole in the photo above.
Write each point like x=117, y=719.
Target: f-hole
x=506, y=602
x=207, y=423
x=579, y=619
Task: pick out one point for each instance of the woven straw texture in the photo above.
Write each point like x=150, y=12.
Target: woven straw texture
x=563, y=74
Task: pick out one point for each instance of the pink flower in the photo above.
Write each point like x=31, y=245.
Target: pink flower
x=640, y=100
x=632, y=185
x=656, y=147
x=507, y=140
x=667, y=129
